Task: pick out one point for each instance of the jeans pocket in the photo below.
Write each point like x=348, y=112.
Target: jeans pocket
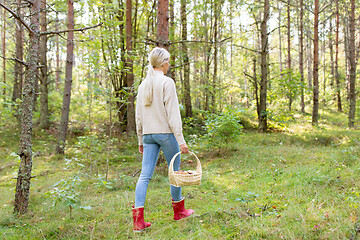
x=163, y=137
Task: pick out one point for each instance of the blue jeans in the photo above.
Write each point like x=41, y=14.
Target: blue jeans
x=152, y=145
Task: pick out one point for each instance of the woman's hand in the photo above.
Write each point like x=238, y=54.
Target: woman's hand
x=141, y=149
x=184, y=148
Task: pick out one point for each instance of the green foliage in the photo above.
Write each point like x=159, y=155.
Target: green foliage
x=222, y=128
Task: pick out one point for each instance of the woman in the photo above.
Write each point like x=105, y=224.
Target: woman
x=158, y=125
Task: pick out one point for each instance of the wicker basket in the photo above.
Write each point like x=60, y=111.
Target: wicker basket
x=187, y=178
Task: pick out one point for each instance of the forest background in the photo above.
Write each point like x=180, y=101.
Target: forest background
x=252, y=76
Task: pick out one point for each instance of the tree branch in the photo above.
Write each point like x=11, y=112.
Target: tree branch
x=70, y=30
x=17, y=17
x=249, y=49
x=16, y=60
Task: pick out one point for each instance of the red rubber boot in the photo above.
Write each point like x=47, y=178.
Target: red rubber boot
x=179, y=210
x=139, y=223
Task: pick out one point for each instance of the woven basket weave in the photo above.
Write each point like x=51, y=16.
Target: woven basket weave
x=186, y=179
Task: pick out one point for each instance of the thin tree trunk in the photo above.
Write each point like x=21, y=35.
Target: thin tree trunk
x=214, y=81
x=264, y=68
x=129, y=74
x=309, y=62
x=187, y=97
x=163, y=24
x=57, y=74
x=301, y=56
x=19, y=53
x=44, y=108
x=315, y=112
x=280, y=40
x=288, y=62
x=352, y=60
x=68, y=82
x=337, y=76
x=4, y=50
x=172, y=38
x=22, y=192
x=331, y=47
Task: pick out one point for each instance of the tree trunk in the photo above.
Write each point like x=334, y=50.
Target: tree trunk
x=352, y=60
x=22, y=193
x=331, y=47
x=44, y=108
x=288, y=62
x=187, y=97
x=214, y=81
x=57, y=74
x=301, y=56
x=129, y=74
x=172, y=38
x=315, y=112
x=163, y=24
x=68, y=82
x=19, y=53
x=264, y=69
x=4, y=50
x=280, y=40
x=337, y=76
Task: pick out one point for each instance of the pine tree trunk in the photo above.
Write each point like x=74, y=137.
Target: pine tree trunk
x=172, y=38
x=19, y=53
x=4, y=50
x=337, y=76
x=264, y=69
x=57, y=74
x=288, y=62
x=129, y=75
x=301, y=56
x=68, y=81
x=352, y=60
x=280, y=40
x=187, y=97
x=44, y=108
x=22, y=192
x=163, y=24
x=214, y=81
x=315, y=112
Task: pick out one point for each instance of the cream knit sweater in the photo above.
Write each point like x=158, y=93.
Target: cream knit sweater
x=163, y=115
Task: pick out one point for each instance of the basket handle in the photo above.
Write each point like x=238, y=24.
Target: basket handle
x=171, y=166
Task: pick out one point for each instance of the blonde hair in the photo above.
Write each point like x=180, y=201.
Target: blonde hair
x=157, y=58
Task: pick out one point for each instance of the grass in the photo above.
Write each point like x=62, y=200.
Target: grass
x=301, y=183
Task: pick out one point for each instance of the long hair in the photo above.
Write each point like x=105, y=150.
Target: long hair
x=157, y=57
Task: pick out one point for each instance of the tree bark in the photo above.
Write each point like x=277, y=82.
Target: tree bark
x=22, y=193
x=352, y=60
x=130, y=128
x=4, y=50
x=57, y=74
x=315, y=112
x=163, y=24
x=187, y=97
x=214, y=80
x=288, y=62
x=44, y=107
x=301, y=56
x=337, y=76
x=19, y=53
x=264, y=68
x=172, y=38
x=68, y=82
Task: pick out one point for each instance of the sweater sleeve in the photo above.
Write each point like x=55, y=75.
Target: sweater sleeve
x=172, y=110
x=138, y=120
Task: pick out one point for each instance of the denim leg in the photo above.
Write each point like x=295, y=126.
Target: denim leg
x=170, y=147
x=150, y=157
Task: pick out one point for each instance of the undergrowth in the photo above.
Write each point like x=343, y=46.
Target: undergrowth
x=300, y=182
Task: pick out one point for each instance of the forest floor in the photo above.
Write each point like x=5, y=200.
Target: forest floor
x=298, y=183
